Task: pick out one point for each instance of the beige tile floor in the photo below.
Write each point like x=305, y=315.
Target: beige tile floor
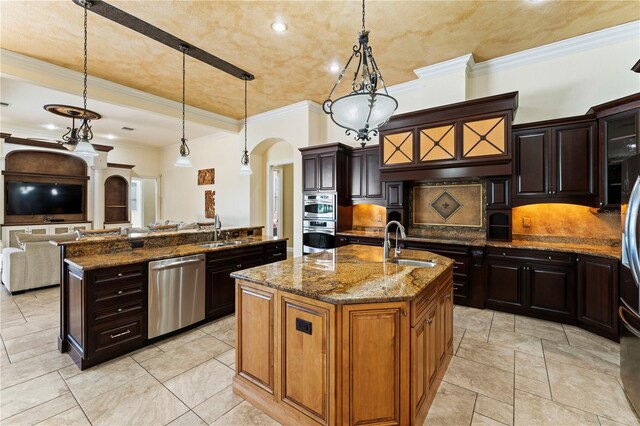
x=506, y=370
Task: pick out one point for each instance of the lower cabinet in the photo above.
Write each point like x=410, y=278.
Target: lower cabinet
x=534, y=283
x=106, y=312
x=220, y=287
x=303, y=361
x=598, y=295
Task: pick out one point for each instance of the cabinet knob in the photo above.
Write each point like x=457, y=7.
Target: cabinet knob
x=504, y=254
x=429, y=321
x=601, y=203
x=549, y=257
x=119, y=274
x=404, y=312
x=120, y=291
x=119, y=309
x=239, y=265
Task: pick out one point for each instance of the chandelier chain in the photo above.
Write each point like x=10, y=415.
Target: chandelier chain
x=84, y=92
x=363, y=29
x=183, y=92
x=245, y=116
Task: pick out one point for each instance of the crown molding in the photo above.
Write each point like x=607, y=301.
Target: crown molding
x=461, y=63
x=601, y=38
x=36, y=71
x=298, y=106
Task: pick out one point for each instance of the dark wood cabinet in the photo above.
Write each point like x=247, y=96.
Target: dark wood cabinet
x=551, y=291
x=394, y=195
x=324, y=168
x=598, y=295
x=107, y=312
x=364, y=175
x=220, y=287
x=556, y=161
x=116, y=199
x=535, y=283
x=466, y=139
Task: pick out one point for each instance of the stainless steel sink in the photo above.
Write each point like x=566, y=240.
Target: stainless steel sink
x=411, y=262
x=222, y=243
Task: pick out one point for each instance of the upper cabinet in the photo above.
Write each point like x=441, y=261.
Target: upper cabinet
x=556, y=161
x=324, y=168
x=364, y=175
x=619, y=126
x=467, y=139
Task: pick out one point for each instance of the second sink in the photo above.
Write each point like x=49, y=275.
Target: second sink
x=411, y=262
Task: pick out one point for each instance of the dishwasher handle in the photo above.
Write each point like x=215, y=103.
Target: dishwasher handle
x=176, y=264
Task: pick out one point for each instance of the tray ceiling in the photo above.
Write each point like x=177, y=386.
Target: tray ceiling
x=291, y=66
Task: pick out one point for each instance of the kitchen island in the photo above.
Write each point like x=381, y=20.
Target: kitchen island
x=341, y=337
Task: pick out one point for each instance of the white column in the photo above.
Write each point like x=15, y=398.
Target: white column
x=97, y=202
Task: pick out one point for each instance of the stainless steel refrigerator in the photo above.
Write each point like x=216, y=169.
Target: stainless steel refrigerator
x=629, y=310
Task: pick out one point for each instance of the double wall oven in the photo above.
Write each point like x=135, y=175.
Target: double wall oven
x=319, y=226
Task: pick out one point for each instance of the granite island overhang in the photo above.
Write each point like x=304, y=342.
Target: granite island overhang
x=340, y=337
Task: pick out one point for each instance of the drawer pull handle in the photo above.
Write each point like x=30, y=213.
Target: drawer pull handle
x=120, y=291
x=119, y=274
x=404, y=312
x=124, y=333
x=429, y=321
x=239, y=265
x=276, y=254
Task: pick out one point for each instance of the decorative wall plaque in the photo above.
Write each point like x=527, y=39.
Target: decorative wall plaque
x=448, y=205
x=206, y=177
x=209, y=204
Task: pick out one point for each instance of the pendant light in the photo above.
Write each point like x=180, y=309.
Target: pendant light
x=83, y=134
x=366, y=108
x=183, y=159
x=245, y=168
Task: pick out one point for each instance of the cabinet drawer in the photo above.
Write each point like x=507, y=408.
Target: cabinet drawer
x=107, y=337
x=117, y=311
x=233, y=256
x=275, y=257
x=460, y=288
x=124, y=273
x=421, y=303
x=546, y=257
x=275, y=247
x=117, y=293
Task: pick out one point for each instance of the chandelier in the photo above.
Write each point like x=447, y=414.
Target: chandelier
x=366, y=108
x=245, y=168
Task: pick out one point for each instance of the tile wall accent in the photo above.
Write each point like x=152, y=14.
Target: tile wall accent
x=447, y=205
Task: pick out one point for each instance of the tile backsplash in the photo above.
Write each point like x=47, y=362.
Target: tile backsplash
x=367, y=216
x=565, y=220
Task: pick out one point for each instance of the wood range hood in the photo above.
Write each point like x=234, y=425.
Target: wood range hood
x=462, y=140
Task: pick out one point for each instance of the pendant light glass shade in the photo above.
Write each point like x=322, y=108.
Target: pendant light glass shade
x=85, y=149
x=245, y=169
x=363, y=112
x=183, y=161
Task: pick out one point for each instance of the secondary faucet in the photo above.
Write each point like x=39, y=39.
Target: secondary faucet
x=387, y=243
x=217, y=225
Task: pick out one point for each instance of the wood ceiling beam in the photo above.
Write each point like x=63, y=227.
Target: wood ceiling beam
x=136, y=24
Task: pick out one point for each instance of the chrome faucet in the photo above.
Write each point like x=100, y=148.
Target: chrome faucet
x=387, y=243
x=216, y=227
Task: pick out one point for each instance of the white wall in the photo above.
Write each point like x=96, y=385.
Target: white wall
x=145, y=158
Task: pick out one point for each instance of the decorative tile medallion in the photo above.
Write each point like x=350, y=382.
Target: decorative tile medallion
x=448, y=205
x=209, y=204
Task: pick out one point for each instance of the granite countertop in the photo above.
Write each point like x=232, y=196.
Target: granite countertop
x=147, y=254
x=350, y=274
x=158, y=234
x=578, y=247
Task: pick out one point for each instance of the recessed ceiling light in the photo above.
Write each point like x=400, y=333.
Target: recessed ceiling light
x=536, y=1
x=51, y=127
x=111, y=136
x=334, y=68
x=279, y=27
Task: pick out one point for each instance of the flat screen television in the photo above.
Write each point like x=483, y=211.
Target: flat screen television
x=31, y=198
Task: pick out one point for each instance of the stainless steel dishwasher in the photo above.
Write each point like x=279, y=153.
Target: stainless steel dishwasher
x=176, y=293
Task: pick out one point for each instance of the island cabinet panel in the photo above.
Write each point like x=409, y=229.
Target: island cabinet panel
x=307, y=356
x=375, y=353
x=424, y=360
x=255, y=335
x=598, y=295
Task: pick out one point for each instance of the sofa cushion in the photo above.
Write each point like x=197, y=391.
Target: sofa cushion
x=163, y=228
x=82, y=233
x=24, y=238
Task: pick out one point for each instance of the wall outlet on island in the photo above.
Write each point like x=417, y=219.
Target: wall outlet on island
x=526, y=222
x=379, y=219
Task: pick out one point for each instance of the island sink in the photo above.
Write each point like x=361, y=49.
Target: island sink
x=412, y=262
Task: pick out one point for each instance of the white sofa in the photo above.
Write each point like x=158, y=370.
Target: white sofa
x=35, y=264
